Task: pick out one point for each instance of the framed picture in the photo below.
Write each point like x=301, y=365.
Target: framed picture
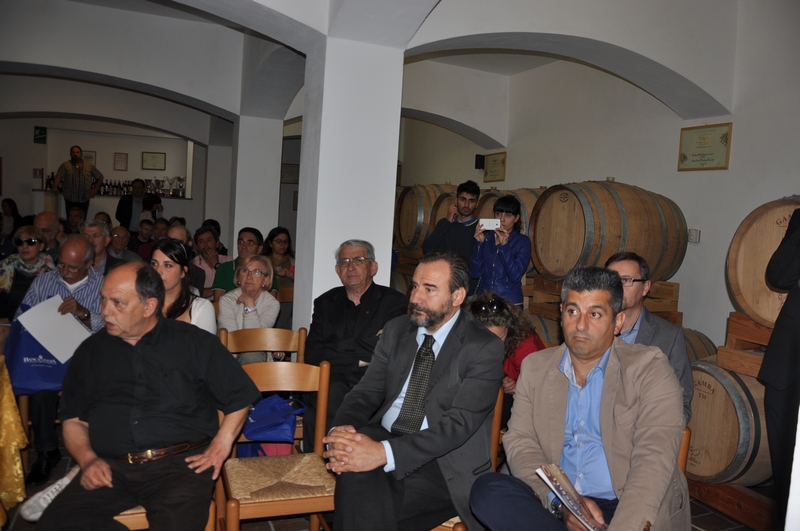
x=120, y=162
x=705, y=147
x=290, y=173
x=90, y=157
x=154, y=161
x=494, y=169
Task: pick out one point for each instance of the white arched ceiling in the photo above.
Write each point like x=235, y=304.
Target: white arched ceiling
x=268, y=91
x=684, y=97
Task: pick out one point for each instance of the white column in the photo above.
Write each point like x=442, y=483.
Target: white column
x=219, y=168
x=348, y=162
x=257, y=169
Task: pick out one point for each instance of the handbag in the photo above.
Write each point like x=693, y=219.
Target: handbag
x=31, y=366
x=273, y=419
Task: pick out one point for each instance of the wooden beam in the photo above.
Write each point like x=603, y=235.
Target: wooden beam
x=740, y=503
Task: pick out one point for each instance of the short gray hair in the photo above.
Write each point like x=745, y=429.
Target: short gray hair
x=357, y=243
x=583, y=279
x=97, y=223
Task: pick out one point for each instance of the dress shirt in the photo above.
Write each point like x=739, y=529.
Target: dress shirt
x=583, y=458
x=87, y=294
x=391, y=414
x=200, y=262
x=164, y=390
x=630, y=336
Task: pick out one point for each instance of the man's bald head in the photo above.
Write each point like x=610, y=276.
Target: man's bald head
x=47, y=222
x=179, y=232
x=131, y=300
x=74, y=257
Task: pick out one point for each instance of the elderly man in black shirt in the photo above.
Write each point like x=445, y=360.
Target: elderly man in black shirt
x=139, y=412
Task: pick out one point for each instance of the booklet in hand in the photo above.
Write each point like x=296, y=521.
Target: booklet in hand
x=563, y=488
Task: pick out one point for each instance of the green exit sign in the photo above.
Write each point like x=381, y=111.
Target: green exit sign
x=39, y=135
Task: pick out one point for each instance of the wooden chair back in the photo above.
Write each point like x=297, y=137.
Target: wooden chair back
x=286, y=295
x=683, y=454
x=265, y=339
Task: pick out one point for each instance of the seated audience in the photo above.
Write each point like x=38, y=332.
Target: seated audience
x=75, y=218
x=12, y=219
x=508, y=322
x=250, y=305
x=501, y=257
x=97, y=232
x=177, y=220
x=620, y=451
x=279, y=250
x=142, y=237
x=249, y=243
x=105, y=217
x=151, y=207
x=118, y=248
x=197, y=277
x=206, y=240
x=160, y=229
x=171, y=260
x=49, y=224
x=221, y=249
x=62, y=230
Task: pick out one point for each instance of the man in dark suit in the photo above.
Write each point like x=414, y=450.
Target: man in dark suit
x=130, y=207
x=346, y=324
x=411, y=438
x=780, y=370
x=644, y=328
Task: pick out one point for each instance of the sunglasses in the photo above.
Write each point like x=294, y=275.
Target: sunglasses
x=19, y=242
x=493, y=305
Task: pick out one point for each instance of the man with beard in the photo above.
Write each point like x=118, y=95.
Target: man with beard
x=456, y=232
x=346, y=324
x=81, y=181
x=414, y=434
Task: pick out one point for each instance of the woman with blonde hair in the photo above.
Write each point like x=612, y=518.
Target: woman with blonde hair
x=250, y=305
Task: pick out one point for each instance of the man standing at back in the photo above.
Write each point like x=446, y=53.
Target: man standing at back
x=456, y=232
x=644, y=328
x=414, y=434
x=81, y=181
x=346, y=324
x=130, y=207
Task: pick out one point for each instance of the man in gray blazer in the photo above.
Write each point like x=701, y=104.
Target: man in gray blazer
x=414, y=434
x=644, y=328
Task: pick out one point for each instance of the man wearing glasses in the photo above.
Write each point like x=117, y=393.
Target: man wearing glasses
x=644, y=328
x=250, y=242
x=79, y=285
x=346, y=324
x=47, y=222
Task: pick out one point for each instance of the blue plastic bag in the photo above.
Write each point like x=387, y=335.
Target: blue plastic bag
x=273, y=419
x=31, y=366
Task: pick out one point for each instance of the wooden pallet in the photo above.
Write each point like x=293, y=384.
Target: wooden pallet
x=744, y=347
x=740, y=503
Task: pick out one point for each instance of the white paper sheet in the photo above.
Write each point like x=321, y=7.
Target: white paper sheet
x=59, y=334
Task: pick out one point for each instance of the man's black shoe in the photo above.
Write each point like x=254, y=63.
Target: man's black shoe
x=43, y=467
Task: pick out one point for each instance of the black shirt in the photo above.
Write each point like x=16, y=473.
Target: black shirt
x=164, y=390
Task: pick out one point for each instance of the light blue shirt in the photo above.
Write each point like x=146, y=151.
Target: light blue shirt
x=630, y=336
x=393, y=412
x=583, y=458
x=87, y=293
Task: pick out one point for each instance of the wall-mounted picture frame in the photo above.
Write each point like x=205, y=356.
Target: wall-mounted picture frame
x=120, y=162
x=90, y=157
x=494, y=169
x=290, y=173
x=154, y=161
x=705, y=147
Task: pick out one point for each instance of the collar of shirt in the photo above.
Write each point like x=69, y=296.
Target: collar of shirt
x=568, y=369
x=469, y=222
x=439, y=336
x=101, y=267
x=630, y=336
x=76, y=285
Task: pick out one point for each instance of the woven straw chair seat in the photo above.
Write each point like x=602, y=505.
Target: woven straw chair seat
x=282, y=477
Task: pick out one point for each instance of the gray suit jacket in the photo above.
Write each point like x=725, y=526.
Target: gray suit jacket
x=656, y=332
x=641, y=426
x=462, y=391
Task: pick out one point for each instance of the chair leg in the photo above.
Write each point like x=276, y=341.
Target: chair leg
x=313, y=522
x=232, y=515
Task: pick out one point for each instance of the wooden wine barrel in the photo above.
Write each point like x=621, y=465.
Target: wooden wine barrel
x=729, y=437
x=527, y=198
x=582, y=224
x=400, y=282
x=549, y=330
x=440, y=208
x=753, y=244
x=396, y=229
x=414, y=212
x=698, y=345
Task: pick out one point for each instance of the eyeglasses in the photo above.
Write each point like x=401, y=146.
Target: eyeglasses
x=249, y=243
x=255, y=272
x=628, y=281
x=30, y=242
x=70, y=268
x=120, y=236
x=280, y=242
x=493, y=305
x=357, y=261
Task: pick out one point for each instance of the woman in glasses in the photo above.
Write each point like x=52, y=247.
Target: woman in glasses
x=501, y=257
x=171, y=259
x=250, y=305
x=508, y=322
x=279, y=250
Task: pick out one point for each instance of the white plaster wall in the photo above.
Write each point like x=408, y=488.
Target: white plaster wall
x=695, y=39
x=432, y=154
x=218, y=199
x=198, y=59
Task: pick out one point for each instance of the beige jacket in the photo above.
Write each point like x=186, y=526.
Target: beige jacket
x=641, y=424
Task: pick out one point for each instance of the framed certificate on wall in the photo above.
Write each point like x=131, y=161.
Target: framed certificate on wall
x=154, y=161
x=705, y=147
x=494, y=167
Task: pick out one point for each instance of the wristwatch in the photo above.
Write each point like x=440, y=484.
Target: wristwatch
x=86, y=315
x=249, y=310
x=556, y=508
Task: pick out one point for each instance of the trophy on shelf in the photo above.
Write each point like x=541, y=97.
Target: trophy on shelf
x=181, y=181
x=171, y=182
x=158, y=184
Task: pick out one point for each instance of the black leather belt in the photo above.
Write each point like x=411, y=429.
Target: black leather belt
x=137, y=458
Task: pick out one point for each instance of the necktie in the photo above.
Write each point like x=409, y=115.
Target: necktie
x=413, y=410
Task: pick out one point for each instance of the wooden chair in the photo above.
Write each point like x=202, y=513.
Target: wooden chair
x=683, y=453
x=268, y=339
x=286, y=295
x=455, y=524
x=136, y=518
x=264, y=487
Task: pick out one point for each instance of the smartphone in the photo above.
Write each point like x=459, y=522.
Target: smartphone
x=489, y=223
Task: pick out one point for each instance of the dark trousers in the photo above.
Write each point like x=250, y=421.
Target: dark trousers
x=43, y=414
x=173, y=495
x=780, y=411
x=366, y=501
x=503, y=502
x=342, y=382
x=82, y=206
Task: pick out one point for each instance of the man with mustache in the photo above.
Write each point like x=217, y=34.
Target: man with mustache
x=346, y=324
x=81, y=181
x=411, y=438
x=79, y=285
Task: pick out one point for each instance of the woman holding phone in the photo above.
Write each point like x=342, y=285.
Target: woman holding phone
x=501, y=257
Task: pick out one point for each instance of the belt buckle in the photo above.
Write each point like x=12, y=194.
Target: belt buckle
x=149, y=454
x=130, y=459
